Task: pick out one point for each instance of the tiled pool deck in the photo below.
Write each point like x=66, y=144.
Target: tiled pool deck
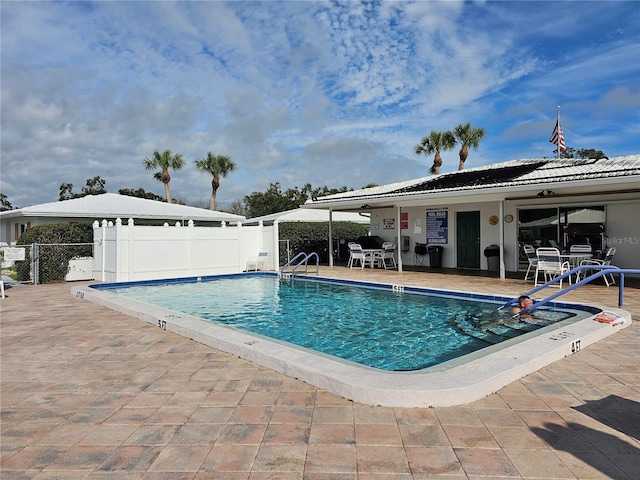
x=89, y=393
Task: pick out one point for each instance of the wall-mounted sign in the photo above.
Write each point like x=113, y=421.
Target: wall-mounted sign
x=437, y=226
x=404, y=221
x=494, y=220
x=389, y=223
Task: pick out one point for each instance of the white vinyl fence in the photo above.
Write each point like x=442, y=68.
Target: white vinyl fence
x=131, y=252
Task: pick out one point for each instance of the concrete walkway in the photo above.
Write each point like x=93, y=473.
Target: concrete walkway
x=88, y=393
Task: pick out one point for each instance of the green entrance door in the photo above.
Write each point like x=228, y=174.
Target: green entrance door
x=468, y=239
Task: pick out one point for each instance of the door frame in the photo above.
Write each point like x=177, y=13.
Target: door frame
x=472, y=219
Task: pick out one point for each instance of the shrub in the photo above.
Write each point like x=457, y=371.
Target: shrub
x=55, y=251
x=313, y=237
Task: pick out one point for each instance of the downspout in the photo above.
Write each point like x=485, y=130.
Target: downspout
x=501, y=212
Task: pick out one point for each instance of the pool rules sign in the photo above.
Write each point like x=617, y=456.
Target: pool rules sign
x=437, y=226
x=13, y=254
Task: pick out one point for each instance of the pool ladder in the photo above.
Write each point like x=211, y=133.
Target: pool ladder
x=303, y=259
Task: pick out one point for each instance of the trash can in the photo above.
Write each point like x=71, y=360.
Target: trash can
x=435, y=255
x=492, y=252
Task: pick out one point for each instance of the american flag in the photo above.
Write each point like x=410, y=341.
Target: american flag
x=557, y=137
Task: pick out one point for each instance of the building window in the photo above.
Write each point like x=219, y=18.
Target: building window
x=583, y=225
x=562, y=227
x=538, y=227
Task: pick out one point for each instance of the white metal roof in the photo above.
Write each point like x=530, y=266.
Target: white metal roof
x=113, y=205
x=307, y=215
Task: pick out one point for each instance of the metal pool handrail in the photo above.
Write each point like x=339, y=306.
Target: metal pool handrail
x=304, y=261
x=603, y=270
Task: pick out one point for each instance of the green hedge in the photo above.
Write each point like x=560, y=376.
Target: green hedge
x=314, y=237
x=54, y=258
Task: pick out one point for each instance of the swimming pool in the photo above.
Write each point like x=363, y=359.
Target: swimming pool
x=367, y=324
x=469, y=368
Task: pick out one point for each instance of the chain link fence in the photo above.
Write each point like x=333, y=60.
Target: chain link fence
x=49, y=263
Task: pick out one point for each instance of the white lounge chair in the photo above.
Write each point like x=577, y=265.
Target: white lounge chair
x=551, y=265
x=261, y=262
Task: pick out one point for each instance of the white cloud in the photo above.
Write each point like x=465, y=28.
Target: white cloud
x=301, y=92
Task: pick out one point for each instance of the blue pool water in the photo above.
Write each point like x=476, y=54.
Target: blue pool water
x=362, y=323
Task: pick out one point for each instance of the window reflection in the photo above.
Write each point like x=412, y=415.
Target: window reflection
x=562, y=227
x=583, y=225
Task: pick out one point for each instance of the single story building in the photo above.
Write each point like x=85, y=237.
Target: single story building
x=481, y=213
x=107, y=206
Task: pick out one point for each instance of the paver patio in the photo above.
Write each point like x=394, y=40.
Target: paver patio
x=89, y=393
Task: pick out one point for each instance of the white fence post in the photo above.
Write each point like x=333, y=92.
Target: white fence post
x=190, y=225
x=131, y=237
x=104, y=249
x=240, y=245
x=118, y=250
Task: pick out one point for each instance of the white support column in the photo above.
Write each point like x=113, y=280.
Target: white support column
x=330, y=238
x=501, y=213
x=399, y=239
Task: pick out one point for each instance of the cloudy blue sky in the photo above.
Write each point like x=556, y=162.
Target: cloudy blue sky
x=327, y=93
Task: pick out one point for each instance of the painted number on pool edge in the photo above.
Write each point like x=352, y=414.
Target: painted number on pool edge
x=575, y=346
x=162, y=324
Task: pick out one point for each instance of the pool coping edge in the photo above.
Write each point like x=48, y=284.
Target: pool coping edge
x=460, y=384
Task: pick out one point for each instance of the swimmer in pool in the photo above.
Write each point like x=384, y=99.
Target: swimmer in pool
x=524, y=301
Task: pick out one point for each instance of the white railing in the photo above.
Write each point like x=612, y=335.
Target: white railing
x=129, y=252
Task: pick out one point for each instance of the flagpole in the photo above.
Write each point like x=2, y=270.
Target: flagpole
x=558, y=127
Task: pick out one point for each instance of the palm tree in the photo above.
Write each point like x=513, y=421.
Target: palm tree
x=164, y=161
x=218, y=166
x=435, y=142
x=467, y=136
